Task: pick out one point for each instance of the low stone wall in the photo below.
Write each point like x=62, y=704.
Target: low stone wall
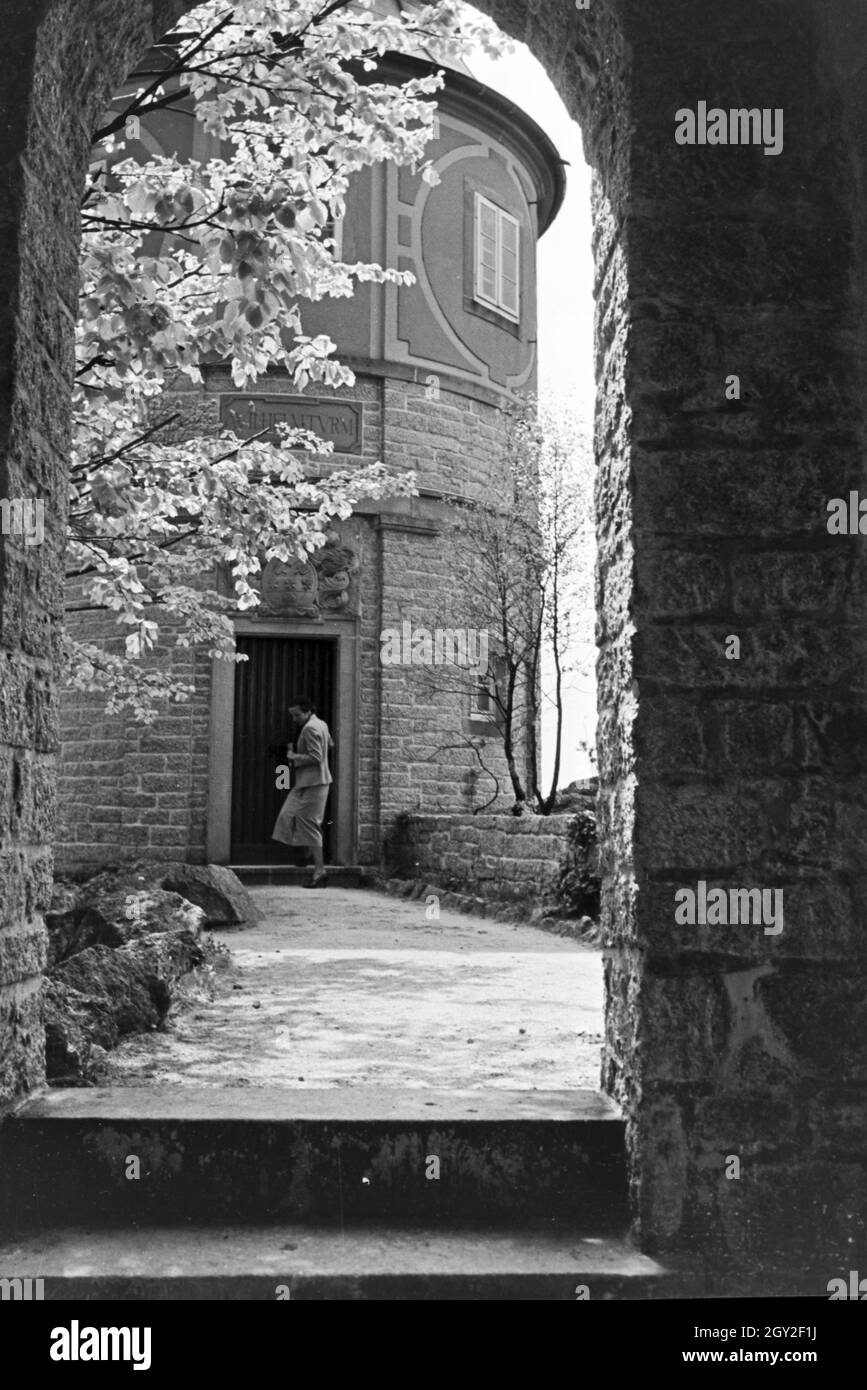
x=503, y=859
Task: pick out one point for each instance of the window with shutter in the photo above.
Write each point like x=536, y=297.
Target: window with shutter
x=497, y=254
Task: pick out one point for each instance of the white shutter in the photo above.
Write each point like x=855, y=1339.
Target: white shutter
x=497, y=258
x=509, y=263
x=486, y=250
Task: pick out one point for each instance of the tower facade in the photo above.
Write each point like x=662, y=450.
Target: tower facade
x=439, y=366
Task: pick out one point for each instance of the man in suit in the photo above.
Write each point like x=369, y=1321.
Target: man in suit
x=300, y=820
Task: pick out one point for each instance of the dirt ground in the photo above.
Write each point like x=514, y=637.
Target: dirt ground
x=343, y=987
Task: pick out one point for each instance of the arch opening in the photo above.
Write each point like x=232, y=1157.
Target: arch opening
x=694, y=1031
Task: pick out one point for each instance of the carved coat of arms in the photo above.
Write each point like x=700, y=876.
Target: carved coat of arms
x=323, y=586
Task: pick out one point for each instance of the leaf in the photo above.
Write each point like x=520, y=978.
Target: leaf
x=234, y=288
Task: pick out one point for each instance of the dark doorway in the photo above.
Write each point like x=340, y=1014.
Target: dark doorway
x=278, y=669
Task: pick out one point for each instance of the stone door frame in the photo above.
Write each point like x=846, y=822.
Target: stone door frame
x=346, y=677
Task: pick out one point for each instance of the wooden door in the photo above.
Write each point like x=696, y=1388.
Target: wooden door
x=278, y=669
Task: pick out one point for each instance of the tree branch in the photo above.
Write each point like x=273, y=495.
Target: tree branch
x=172, y=70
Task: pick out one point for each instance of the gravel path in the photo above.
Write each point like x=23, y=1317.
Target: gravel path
x=342, y=987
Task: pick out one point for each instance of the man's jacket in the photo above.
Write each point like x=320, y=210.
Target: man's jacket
x=312, y=747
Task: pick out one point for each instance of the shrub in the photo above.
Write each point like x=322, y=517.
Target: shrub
x=577, y=890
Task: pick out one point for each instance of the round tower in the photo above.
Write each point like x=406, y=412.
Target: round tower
x=438, y=366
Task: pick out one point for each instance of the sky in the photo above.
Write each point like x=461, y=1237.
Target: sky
x=565, y=260
x=565, y=333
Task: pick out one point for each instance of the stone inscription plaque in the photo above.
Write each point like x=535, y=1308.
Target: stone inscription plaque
x=337, y=422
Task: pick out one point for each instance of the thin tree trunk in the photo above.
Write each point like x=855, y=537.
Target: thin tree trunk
x=508, y=738
x=533, y=722
x=555, y=638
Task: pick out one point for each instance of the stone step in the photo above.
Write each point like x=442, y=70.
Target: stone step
x=283, y=875
x=241, y=1154
x=356, y=1263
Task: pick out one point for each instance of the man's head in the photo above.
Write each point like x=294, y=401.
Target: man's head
x=300, y=709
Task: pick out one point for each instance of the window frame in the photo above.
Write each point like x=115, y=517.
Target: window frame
x=483, y=686
x=334, y=230
x=497, y=305
x=484, y=723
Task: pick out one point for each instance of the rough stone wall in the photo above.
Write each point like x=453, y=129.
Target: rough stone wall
x=742, y=772
x=369, y=696
x=712, y=522
x=709, y=261
x=454, y=443
x=59, y=61
x=456, y=446
x=511, y=859
x=425, y=762
x=413, y=726
x=128, y=791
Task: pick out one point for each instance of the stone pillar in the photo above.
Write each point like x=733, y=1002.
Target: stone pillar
x=727, y=1042
x=59, y=63
x=714, y=262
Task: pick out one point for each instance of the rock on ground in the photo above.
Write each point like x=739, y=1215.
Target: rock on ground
x=106, y=912
x=118, y=944
x=216, y=890
x=100, y=994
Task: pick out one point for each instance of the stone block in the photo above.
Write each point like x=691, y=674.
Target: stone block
x=23, y=953
x=801, y=1215
x=22, y=1056
x=802, y=656
x=683, y=1029
x=832, y=736
x=784, y=583
x=820, y=1012
x=661, y=1187
x=674, y=582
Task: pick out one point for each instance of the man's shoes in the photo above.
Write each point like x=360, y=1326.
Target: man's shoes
x=320, y=881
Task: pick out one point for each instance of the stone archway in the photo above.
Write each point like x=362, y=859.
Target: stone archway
x=710, y=263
